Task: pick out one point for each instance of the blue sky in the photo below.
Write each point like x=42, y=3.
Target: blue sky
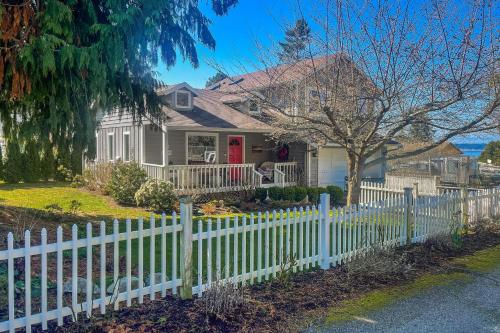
x=236, y=34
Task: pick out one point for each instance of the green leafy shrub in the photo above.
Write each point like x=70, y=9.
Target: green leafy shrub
x=156, y=195
x=276, y=193
x=78, y=181
x=289, y=193
x=261, y=194
x=32, y=164
x=322, y=190
x=125, y=181
x=13, y=168
x=300, y=193
x=336, y=194
x=63, y=174
x=313, y=193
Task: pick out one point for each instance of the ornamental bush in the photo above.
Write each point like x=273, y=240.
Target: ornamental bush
x=300, y=193
x=313, y=193
x=276, y=193
x=156, y=195
x=125, y=181
x=261, y=194
x=289, y=193
x=336, y=194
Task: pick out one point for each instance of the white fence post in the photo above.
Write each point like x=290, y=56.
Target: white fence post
x=325, y=230
x=408, y=216
x=464, y=205
x=186, y=254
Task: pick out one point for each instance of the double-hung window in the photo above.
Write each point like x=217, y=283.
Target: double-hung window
x=111, y=146
x=126, y=147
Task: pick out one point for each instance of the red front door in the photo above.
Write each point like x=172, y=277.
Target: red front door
x=235, y=155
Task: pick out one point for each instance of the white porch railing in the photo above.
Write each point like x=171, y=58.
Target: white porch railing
x=209, y=178
x=287, y=173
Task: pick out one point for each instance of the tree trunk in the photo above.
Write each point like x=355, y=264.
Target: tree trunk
x=356, y=166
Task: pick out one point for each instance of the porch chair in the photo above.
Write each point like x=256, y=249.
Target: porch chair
x=266, y=169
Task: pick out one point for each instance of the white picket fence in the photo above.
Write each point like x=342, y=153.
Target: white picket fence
x=243, y=249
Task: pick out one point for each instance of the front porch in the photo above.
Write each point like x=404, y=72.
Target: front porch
x=212, y=178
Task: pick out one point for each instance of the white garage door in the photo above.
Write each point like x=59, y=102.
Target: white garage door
x=332, y=166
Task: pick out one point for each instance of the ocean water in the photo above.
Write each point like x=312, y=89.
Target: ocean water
x=471, y=149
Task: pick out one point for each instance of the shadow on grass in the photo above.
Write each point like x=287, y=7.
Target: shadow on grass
x=18, y=186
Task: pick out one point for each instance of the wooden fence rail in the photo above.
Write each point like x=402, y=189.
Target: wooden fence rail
x=126, y=263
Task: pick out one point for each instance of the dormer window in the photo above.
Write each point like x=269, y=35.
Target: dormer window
x=253, y=107
x=183, y=100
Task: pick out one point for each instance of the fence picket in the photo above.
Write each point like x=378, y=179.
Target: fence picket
x=303, y=234
x=102, y=261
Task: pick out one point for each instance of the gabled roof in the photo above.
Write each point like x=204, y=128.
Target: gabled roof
x=167, y=89
x=210, y=112
x=272, y=76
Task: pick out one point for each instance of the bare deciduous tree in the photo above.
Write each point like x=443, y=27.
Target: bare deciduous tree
x=373, y=68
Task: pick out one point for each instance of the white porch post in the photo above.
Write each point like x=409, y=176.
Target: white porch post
x=141, y=144
x=164, y=140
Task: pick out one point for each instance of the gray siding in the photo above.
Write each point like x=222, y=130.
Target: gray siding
x=177, y=147
x=102, y=142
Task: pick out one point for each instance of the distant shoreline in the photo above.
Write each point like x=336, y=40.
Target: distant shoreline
x=471, y=149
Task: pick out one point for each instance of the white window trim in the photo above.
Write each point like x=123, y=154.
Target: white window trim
x=243, y=140
x=112, y=159
x=254, y=112
x=123, y=146
x=190, y=100
x=216, y=135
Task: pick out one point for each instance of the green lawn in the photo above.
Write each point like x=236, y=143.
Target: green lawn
x=39, y=195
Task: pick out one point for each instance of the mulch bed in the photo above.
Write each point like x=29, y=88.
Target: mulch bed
x=278, y=307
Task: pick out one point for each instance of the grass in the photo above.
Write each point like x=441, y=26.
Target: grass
x=39, y=195
x=481, y=261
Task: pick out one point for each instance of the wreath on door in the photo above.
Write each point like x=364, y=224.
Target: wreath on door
x=234, y=142
x=283, y=152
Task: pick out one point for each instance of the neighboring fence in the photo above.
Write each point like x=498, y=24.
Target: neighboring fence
x=426, y=184
x=189, y=256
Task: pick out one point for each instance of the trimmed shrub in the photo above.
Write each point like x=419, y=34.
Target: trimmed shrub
x=289, y=193
x=32, y=165
x=313, y=193
x=276, y=193
x=14, y=164
x=156, y=195
x=336, y=194
x=300, y=193
x=261, y=194
x=125, y=181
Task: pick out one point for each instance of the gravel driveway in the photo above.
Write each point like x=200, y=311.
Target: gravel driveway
x=472, y=306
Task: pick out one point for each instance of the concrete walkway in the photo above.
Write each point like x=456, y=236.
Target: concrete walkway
x=460, y=306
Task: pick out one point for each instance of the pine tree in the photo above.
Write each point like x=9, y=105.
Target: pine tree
x=32, y=164
x=296, y=41
x=215, y=78
x=1, y=163
x=47, y=163
x=420, y=130
x=14, y=163
x=61, y=61
x=491, y=152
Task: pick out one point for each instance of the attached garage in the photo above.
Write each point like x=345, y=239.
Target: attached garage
x=328, y=166
x=332, y=166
